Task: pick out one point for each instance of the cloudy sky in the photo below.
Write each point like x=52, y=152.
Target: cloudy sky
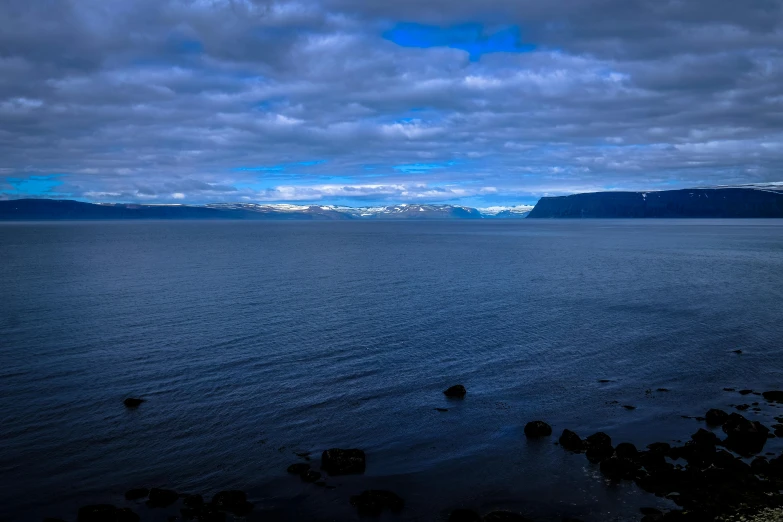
x=478, y=102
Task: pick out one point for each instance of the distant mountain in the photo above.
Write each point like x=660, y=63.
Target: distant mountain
x=751, y=201
x=53, y=209
x=519, y=211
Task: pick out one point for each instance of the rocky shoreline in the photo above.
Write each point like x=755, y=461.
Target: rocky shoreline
x=724, y=477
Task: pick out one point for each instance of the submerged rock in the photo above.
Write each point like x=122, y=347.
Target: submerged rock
x=160, y=498
x=298, y=468
x=233, y=501
x=132, y=402
x=571, y=441
x=457, y=391
x=535, y=429
x=136, y=493
x=716, y=417
x=375, y=501
x=338, y=461
x=310, y=476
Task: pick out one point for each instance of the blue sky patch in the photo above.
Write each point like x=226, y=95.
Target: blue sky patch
x=35, y=185
x=471, y=38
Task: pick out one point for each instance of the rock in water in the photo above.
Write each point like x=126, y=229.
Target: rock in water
x=374, y=501
x=457, y=391
x=743, y=436
x=233, y=501
x=337, y=461
x=626, y=450
x=505, y=516
x=716, y=417
x=160, y=498
x=599, y=447
x=535, y=429
x=464, y=515
x=310, y=476
x=571, y=441
x=773, y=396
x=136, y=493
x=132, y=402
x=298, y=468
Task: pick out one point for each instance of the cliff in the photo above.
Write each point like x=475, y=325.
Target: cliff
x=687, y=203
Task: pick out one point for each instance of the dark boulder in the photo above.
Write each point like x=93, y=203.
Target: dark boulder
x=537, y=428
x=50, y=519
x=233, y=501
x=660, y=447
x=132, y=402
x=626, y=450
x=310, y=476
x=745, y=392
x=743, y=436
x=570, y=441
x=773, y=396
x=374, y=501
x=716, y=417
x=705, y=438
x=126, y=515
x=298, y=468
x=160, y=498
x=760, y=466
x=505, y=516
x=464, y=515
x=337, y=461
x=457, y=391
x=616, y=468
x=599, y=447
x=136, y=493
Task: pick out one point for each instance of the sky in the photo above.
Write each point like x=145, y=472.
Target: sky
x=364, y=102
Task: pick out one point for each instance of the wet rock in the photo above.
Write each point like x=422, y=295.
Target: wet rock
x=738, y=352
x=571, y=441
x=457, y=391
x=132, y=402
x=233, y=501
x=660, y=447
x=705, y=437
x=742, y=407
x=626, y=450
x=650, y=511
x=604, y=381
x=773, y=396
x=662, y=390
x=136, y=493
x=729, y=389
x=505, y=516
x=616, y=468
x=629, y=407
x=337, y=461
x=535, y=429
x=49, y=519
x=126, y=515
x=716, y=417
x=745, y=392
x=204, y=513
x=310, y=476
x=375, y=501
x=599, y=447
x=442, y=409
x=759, y=466
x=464, y=515
x=743, y=436
x=160, y=498
x=298, y=468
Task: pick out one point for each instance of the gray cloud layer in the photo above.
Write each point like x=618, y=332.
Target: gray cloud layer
x=219, y=100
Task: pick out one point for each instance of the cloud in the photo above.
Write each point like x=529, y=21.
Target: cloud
x=348, y=100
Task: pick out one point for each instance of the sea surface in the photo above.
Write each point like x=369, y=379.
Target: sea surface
x=252, y=342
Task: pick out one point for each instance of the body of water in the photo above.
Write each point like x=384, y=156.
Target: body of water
x=252, y=342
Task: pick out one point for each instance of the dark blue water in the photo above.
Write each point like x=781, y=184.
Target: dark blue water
x=255, y=341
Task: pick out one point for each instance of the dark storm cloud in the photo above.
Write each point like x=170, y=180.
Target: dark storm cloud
x=209, y=100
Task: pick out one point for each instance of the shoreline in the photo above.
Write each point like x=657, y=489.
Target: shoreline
x=724, y=471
